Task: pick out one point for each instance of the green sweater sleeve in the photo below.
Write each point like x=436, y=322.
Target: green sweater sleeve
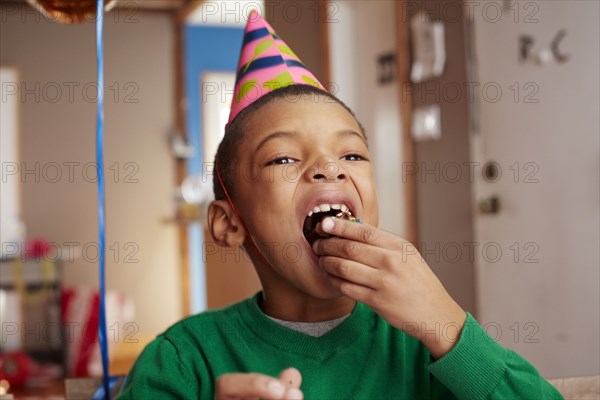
x=479, y=368
x=159, y=373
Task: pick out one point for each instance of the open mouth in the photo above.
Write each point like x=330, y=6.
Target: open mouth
x=320, y=212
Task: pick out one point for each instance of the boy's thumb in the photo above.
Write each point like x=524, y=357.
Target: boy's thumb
x=291, y=377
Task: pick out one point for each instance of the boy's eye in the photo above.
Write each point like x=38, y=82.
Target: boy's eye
x=353, y=157
x=281, y=161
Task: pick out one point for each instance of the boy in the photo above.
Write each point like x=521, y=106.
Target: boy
x=353, y=310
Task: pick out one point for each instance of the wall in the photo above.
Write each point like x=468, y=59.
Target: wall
x=11, y=228
x=378, y=107
x=58, y=135
x=297, y=23
x=344, y=59
x=443, y=204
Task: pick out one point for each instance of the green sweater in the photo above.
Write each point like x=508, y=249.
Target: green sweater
x=362, y=358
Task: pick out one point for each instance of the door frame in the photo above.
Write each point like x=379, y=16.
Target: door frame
x=403, y=64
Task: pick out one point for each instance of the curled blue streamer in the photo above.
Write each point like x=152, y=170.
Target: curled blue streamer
x=101, y=203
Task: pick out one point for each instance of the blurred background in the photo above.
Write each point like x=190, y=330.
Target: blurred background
x=483, y=123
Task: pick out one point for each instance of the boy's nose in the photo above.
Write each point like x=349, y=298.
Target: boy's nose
x=327, y=172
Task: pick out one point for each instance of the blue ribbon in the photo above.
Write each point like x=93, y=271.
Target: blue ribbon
x=112, y=382
x=101, y=203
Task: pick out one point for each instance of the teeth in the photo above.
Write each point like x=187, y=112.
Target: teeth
x=328, y=207
x=325, y=207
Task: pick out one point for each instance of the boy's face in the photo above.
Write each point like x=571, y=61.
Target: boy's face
x=298, y=154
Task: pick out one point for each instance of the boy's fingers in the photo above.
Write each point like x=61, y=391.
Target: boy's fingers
x=359, y=232
x=291, y=377
x=354, y=291
x=366, y=254
x=249, y=385
x=350, y=271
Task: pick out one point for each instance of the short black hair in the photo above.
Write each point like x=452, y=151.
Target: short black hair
x=227, y=153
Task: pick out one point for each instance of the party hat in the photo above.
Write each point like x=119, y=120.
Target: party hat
x=266, y=63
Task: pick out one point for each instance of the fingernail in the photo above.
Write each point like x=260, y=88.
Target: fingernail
x=276, y=388
x=327, y=224
x=294, y=394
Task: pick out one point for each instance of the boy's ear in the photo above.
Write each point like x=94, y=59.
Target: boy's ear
x=224, y=226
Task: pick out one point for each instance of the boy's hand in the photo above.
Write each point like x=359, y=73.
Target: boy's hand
x=388, y=274
x=253, y=386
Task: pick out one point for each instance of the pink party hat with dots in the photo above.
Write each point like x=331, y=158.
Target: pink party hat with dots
x=266, y=64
